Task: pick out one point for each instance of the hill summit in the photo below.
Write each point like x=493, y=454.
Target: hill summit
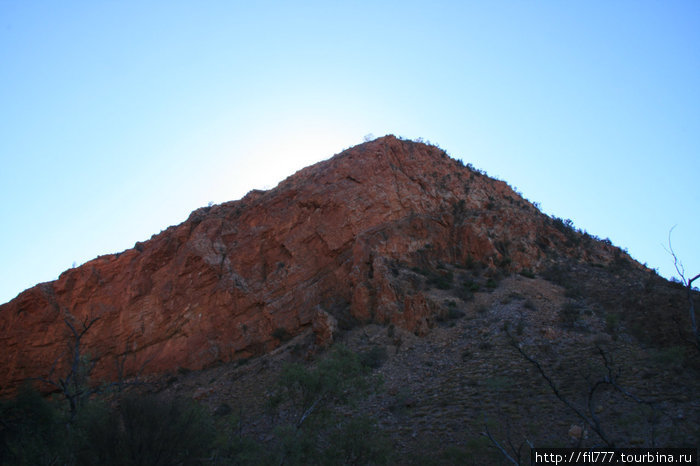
x=350, y=240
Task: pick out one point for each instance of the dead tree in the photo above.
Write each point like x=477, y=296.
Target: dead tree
x=75, y=385
x=587, y=415
x=688, y=284
x=120, y=360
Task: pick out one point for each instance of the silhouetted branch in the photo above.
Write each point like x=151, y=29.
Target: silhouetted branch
x=120, y=366
x=688, y=283
x=609, y=379
x=591, y=419
x=75, y=386
x=504, y=452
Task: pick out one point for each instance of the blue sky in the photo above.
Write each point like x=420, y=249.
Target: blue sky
x=118, y=118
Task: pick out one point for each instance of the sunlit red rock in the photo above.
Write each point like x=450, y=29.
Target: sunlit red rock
x=319, y=250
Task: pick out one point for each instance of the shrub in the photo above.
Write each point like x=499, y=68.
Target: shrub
x=466, y=354
x=471, y=285
x=281, y=334
x=442, y=281
x=470, y=263
x=235, y=449
x=374, y=357
x=358, y=441
x=306, y=391
x=573, y=236
x=464, y=294
x=145, y=430
x=505, y=262
x=570, y=314
x=307, y=398
x=421, y=271
x=573, y=290
x=31, y=431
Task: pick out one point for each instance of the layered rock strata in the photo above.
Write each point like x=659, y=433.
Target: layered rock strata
x=333, y=245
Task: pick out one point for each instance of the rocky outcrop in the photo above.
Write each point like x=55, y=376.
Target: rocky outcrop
x=333, y=245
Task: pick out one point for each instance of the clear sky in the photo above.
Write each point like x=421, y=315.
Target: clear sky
x=118, y=118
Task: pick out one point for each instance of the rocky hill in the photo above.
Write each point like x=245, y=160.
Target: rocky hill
x=332, y=245
x=448, y=279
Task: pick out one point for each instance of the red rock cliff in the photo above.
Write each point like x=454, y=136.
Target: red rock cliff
x=325, y=246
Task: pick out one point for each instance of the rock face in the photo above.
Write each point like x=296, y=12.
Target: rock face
x=335, y=244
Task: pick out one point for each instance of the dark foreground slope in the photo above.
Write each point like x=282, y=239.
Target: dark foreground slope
x=466, y=376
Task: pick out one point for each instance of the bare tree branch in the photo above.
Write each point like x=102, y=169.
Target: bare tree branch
x=610, y=379
x=688, y=283
x=591, y=419
x=308, y=412
x=75, y=385
x=504, y=452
